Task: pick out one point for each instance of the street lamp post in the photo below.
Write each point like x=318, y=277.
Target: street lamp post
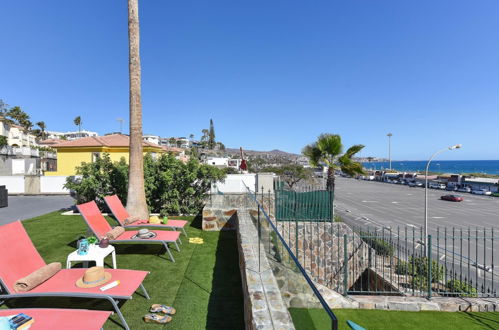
x=457, y=146
x=390, y=149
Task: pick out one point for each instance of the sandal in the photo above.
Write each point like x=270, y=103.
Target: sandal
x=157, y=308
x=154, y=318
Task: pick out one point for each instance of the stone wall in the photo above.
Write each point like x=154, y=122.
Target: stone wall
x=219, y=219
x=219, y=210
x=320, y=249
x=264, y=307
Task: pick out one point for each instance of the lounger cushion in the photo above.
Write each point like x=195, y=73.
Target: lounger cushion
x=65, y=281
x=52, y=318
x=161, y=235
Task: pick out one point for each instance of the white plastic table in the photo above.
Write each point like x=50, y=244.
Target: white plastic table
x=95, y=253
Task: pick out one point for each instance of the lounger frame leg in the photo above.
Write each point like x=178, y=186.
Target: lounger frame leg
x=176, y=245
x=183, y=229
x=118, y=311
x=144, y=290
x=168, y=250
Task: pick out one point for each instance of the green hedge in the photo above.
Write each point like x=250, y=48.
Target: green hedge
x=172, y=187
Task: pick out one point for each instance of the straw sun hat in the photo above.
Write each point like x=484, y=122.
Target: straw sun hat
x=93, y=277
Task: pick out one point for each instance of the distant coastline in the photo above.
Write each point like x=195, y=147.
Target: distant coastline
x=477, y=167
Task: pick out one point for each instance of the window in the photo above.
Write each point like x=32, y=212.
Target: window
x=95, y=156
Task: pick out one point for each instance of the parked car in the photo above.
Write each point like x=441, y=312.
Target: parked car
x=481, y=192
x=434, y=185
x=452, y=198
x=451, y=188
x=412, y=184
x=496, y=194
x=464, y=189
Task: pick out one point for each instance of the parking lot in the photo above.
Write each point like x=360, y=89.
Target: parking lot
x=392, y=205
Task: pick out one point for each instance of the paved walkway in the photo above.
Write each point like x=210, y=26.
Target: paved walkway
x=25, y=207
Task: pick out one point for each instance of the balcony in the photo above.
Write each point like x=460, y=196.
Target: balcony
x=22, y=151
x=26, y=151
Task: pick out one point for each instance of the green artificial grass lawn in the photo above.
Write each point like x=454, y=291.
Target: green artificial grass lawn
x=204, y=283
x=378, y=319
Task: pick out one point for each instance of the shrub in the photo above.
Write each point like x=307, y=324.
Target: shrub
x=171, y=186
x=402, y=268
x=382, y=247
x=3, y=141
x=461, y=288
x=417, y=267
x=99, y=179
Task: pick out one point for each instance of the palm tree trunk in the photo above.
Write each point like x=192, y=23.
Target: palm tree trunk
x=136, y=200
x=330, y=179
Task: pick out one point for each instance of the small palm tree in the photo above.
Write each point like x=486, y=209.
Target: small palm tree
x=42, y=126
x=77, y=122
x=329, y=151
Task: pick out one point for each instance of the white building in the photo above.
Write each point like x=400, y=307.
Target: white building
x=222, y=162
x=176, y=142
x=70, y=135
x=16, y=137
x=151, y=139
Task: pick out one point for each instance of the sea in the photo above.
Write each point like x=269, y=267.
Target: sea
x=440, y=166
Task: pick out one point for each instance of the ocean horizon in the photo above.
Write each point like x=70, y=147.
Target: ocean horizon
x=440, y=166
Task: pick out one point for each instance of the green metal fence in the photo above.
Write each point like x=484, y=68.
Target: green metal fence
x=310, y=205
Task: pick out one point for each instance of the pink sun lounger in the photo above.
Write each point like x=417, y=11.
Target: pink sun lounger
x=99, y=225
x=53, y=318
x=19, y=258
x=120, y=213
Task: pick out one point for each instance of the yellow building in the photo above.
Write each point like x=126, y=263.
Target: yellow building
x=71, y=154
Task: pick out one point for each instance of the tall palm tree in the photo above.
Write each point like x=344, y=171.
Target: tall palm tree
x=42, y=126
x=77, y=122
x=329, y=150
x=17, y=116
x=136, y=200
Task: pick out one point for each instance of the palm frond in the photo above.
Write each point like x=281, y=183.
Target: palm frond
x=348, y=166
x=354, y=149
x=313, y=154
x=330, y=145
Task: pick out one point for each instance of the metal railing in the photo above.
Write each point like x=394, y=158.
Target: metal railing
x=299, y=289
x=458, y=262
x=390, y=261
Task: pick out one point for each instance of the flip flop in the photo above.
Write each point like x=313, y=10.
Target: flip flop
x=155, y=318
x=157, y=308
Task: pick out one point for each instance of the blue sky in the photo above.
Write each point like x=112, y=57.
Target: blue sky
x=271, y=74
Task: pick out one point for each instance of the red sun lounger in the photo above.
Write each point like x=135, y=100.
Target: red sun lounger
x=99, y=225
x=120, y=213
x=20, y=258
x=53, y=318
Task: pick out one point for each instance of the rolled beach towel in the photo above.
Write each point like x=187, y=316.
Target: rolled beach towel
x=115, y=232
x=130, y=220
x=37, y=277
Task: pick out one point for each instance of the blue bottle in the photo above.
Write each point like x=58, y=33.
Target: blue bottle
x=83, y=247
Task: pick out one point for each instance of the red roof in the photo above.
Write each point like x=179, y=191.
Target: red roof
x=50, y=142
x=113, y=140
